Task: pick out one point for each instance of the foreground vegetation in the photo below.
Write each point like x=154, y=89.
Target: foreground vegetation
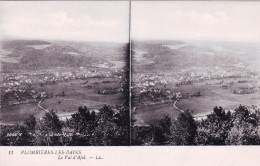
x=108, y=126
x=219, y=128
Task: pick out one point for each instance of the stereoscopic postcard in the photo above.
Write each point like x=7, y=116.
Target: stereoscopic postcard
x=129, y=82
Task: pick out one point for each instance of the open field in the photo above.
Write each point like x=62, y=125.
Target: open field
x=79, y=93
x=149, y=115
x=17, y=113
x=212, y=94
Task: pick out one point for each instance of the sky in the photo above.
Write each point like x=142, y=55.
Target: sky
x=223, y=21
x=68, y=20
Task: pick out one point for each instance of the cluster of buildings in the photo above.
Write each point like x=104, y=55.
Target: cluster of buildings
x=12, y=80
x=17, y=88
x=155, y=86
x=212, y=73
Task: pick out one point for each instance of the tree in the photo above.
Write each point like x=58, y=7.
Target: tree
x=48, y=130
x=142, y=135
x=162, y=131
x=243, y=134
x=52, y=122
x=3, y=136
x=111, y=129
x=245, y=130
x=242, y=114
x=30, y=123
x=183, y=130
x=122, y=120
x=83, y=124
x=23, y=138
x=83, y=121
x=16, y=135
x=214, y=129
x=106, y=129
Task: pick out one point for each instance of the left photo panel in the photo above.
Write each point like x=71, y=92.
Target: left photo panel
x=64, y=73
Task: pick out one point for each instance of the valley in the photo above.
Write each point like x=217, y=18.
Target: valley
x=192, y=75
x=60, y=76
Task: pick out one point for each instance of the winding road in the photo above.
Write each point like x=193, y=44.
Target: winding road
x=196, y=117
x=39, y=105
x=174, y=104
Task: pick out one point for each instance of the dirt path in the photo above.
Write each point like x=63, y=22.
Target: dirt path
x=44, y=109
x=174, y=104
x=196, y=116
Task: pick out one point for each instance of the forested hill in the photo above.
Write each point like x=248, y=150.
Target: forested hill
x=34, y=54
x=172, y=55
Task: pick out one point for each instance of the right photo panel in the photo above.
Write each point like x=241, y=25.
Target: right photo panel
x=195, y=73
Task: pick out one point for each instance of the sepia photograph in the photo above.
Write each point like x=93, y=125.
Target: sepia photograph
x=195, y=73
x=130, y=82
x=121, y=73
x=64, y=73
